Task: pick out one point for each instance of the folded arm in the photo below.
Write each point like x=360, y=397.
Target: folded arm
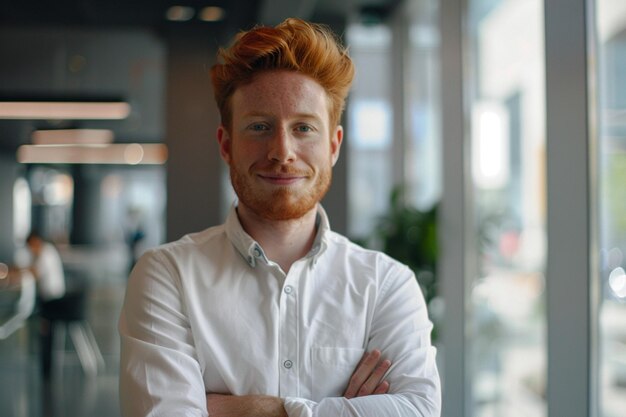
x=366, y=380
x=407, y=387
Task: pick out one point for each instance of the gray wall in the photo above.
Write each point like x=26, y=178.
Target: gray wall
x=194, y=165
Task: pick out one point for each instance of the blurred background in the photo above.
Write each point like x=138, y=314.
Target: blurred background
x=455, y=162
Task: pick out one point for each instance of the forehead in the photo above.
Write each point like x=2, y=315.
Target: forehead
x=280, y=92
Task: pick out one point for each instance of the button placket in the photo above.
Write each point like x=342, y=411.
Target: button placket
x=289, y=386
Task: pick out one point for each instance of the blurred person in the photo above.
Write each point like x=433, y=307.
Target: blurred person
x=47, y=269
x=134, y=236
x=272, y=313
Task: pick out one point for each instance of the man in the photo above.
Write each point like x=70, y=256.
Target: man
x=47, y=268
x=272, y=313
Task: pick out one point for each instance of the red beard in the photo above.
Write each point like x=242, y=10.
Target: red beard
x=284, y=203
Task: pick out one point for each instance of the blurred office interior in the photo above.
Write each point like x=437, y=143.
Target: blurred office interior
x=508, y=117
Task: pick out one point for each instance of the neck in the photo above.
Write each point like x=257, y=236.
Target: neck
x=283, y=241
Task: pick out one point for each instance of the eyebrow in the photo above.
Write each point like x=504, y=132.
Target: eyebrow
x=296, y=116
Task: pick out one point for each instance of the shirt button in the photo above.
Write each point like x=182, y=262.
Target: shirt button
x=257, y=252
x=288, y=289
x=288, y=364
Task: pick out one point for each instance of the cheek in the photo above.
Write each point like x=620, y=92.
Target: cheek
x=320, y=155
x=247, y=153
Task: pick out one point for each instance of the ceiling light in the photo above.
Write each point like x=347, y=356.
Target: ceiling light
x=179, y=13
x=125, y=154
x=72, y=136
x=212, y=14
x=64, y=110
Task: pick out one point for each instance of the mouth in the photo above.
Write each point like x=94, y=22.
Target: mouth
x=281, y=179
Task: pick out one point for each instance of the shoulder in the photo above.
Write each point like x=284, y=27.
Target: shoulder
x=173, y=257
x=373, y=262
x=49, y=254
x=48, y=249
x=189, y=245
x=165, y=272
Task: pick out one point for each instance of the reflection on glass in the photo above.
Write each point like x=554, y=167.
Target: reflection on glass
x=506, y=321
x=611, y=59
x=369, y=127
x=421, y=88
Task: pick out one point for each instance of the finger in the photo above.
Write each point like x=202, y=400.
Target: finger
x=372, y=382
x=382, y=388
x=365, y=355
x=362, y=372
x=354, y=384
x=369, y=359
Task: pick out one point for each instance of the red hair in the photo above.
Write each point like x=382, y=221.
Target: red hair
x=294, y=45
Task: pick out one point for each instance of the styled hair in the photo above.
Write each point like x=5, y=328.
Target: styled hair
x=34, y=234
x=294, y=45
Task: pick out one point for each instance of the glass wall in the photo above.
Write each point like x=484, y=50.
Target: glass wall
x=369, y=127
x=393, y=116
x=501, y=309
x=610, y=40
x=422, y=148
x=505, y=324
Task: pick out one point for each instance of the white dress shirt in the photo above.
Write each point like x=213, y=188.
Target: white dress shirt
x=210, y=313
x=49, y=267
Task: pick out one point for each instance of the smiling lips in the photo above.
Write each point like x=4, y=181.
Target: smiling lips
x=282, y=179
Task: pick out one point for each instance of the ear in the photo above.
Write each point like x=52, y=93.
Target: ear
x=224, y=141
x=335, y=144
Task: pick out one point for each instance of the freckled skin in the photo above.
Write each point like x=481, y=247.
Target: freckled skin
x=281, y=147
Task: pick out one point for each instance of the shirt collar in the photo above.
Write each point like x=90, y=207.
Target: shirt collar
x=252, y=251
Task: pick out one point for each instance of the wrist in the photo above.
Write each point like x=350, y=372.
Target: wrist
x=269, y=406
x=247, y=405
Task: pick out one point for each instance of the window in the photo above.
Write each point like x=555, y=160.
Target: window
x=393, y=126
x=506, y=357
x=422, y=148
x=610, y=40
x=369, y=127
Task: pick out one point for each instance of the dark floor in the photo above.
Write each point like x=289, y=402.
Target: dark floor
x=69, y=392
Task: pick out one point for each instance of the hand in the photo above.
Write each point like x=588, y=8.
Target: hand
x=367, y=378
x=219, y=405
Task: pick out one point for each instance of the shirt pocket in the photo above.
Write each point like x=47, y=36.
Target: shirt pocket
x=331, y=369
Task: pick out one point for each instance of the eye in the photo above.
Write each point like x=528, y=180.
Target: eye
x=258, y=127
x=304, y=128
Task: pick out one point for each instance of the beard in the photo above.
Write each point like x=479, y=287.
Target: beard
x=283, y=203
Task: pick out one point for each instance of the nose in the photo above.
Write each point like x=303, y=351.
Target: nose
x=281, y=147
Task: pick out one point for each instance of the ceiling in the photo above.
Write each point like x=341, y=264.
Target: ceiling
x=151, y=13
x=112, y=13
